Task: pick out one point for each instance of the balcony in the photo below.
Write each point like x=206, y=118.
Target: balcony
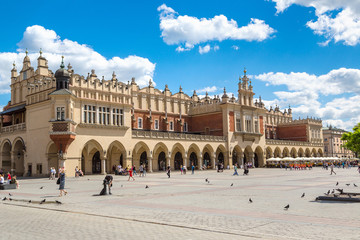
x=176, y=136
x=14, y=128
x=62, y=127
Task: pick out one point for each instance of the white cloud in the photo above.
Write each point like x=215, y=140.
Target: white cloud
x=208, y=89
x=204, y=49
x=177, y=29
x=307, y=90
x=82, y=57
x=343, y=27
x=216, y=47
x=187, y=47
x=235, y=47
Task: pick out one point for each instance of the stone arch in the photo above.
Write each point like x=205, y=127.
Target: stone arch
x=307, y=152
x=221, y=156
x=320, y=152
x=6, y=155
x=248, y=154
x=139, y=157
x=194, y=155
x=52, y=156
x=237, y=156
x=286, y=152
x=18, y=149
x=259, y=157
x=177, y=156
x=269, y=153
x=208, y=156
x=293, y=153
x=277, y=153
x=313, y=152
x=91, y=156
x=160, y=154
x=301, y=152
x=116, y=155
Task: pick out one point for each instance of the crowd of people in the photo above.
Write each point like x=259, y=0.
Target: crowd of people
x=8, y=179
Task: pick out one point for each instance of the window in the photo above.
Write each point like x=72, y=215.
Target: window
x=185, y=127
x=248, y=123
x=24, y=75
x=171, y=126
x=156, y=124
x=118, y=117
x=325, y=139
x=140, y=126
x=104, y=115
x=89, y=114
x=60, y=113
x=238, y=123
x=256, y=125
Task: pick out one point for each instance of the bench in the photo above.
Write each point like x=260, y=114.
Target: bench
x=7, y=186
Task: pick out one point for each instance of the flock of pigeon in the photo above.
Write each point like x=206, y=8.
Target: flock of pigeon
x=29, y=201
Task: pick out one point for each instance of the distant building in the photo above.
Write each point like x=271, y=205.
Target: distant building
x=68, y=120
x=333, y=145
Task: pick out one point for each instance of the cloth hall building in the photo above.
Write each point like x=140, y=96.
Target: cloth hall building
x=65, y=119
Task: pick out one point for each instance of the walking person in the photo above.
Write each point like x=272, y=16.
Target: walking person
x=246, y=169
x=141, y=169
x=131, y=174
x=144, y=169
x=62, y=182
x=134, y=170
x=168, y=171
x=181, y=169
x=192, y=169
x=235, y=170
x=332, y=169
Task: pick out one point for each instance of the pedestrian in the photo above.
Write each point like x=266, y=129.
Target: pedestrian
x=52, y=173
x=2, y=181
x=246, y=169
x=192, y=169
x=108, y=181
x=141, y=169
x=134, y=170
x=184, y=169
x=235, y=170
x=8, y=177
x=131, y=174
x=168, y=171
x=62, y=182
x=144, y=169
x=181, y=169
x=332, y=169
x=77, y=173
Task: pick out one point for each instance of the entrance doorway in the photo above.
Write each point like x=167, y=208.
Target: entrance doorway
x=96, y=163
x=162, y=162
x=178, y=161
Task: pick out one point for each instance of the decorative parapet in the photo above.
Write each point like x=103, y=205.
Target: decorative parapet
x=293, y=143
x=176, y=136
x=13, y=128
x=62, y=127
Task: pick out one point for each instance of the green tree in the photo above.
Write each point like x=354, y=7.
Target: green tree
x=353, y=139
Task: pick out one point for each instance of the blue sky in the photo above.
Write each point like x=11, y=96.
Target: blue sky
x=304, y=53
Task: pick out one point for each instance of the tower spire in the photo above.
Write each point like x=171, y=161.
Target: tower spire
x=62, y=62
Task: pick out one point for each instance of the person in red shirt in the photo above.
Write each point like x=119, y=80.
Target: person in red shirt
x=8, y=177
x=131, y=174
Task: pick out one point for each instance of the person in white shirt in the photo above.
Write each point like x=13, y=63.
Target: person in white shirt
x=2, y=181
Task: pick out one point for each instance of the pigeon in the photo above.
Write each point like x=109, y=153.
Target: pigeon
x=10, y=194
x=337, y=183
x=328, y=192
x=339, y=190
x=206, y=180
x=286, y=207
x=333, y=191
x=29, y=201
x=250, y=200
x=231, y=185
x=303, y=195
x=44, y=200
x=41, y=187
x=146, y=186
x=10, y=199
x=88, y=179
x=58, y=202
x=355, y=185
x=348, y=184
x=4, y=198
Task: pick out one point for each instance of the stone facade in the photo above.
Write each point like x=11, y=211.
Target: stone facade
x=65, y=119
x=333, y=145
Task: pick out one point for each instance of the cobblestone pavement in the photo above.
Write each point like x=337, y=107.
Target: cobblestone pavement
x=186, y=207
